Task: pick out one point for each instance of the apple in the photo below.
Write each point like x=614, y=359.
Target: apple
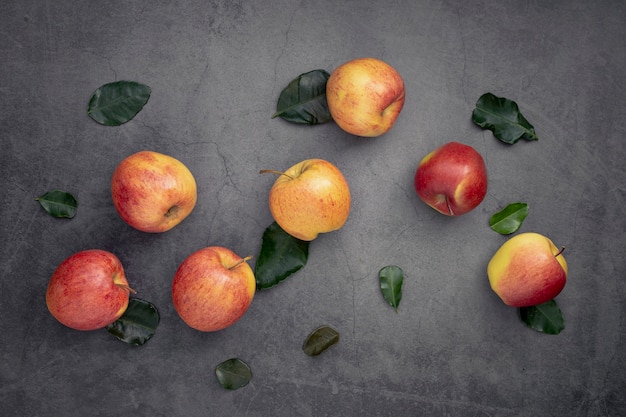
x=365, y=96
x=88, y=290
x=153, y=192
x=310, y=198
x=527, y=270
x=452, y=179
x=213, y=288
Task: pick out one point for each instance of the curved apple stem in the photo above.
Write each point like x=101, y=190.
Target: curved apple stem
x=239, y=262
x=560, y=252
x=271, y=171
x=127, y=288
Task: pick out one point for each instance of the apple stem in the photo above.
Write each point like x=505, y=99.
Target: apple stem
x=172, y=211
x=560, y=252
x=127, y=288
x=271, y=171
x=239, y=262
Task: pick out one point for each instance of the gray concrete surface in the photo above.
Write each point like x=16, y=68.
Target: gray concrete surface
x=216, y=69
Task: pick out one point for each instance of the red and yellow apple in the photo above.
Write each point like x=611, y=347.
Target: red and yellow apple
x=365, y=96
x=310, y=198
x=88, y=290
x=153, y=192
x=452, y=179
x=527, y=270
x=213, y=288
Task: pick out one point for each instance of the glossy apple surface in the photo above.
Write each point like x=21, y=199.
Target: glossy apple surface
x=527, y=270
x=88, y=290
x=452, y=179
x=213, y=288
x=310, y=198
x=365, y=96
x=153, y=192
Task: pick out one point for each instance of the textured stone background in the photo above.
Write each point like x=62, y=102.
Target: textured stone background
x=216, y=69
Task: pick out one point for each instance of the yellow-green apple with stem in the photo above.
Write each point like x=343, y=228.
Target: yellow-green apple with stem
x=213, y=288
x=88, y=290
x=310, y=198
x=452, y=179
x=365, y=96
x=153, y=192
x=527, y=270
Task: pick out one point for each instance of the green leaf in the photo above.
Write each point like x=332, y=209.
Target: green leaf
x=58, y=203
x=319, y=340
x=138, y=323
x=281, y=255
x=304, y=99
x=391, y=278
x=509, y=219
x=503, y=118
x=544, y=318
x=118, y=102
x=233, y=374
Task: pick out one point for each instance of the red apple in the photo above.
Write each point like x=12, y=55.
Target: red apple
x=527, y=270
x=153, y=192
x=213, y=288
x=365, y=96
x=452, y=179
x=88, y=290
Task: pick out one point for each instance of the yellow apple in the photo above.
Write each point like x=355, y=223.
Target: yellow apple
x=213, y=288
x=365, y=96
x=309, y=198
x=153, y=192
x=527, y=270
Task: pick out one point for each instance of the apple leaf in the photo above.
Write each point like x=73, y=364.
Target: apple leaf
x=544, y=318
x=138, y=323
x=281, y=255
x=503, y=118
x=304, y=99
x=118, y=102
x=509, y=219
x=233, y=374
x=319, y=340
x=391, y=278
x=58, y=203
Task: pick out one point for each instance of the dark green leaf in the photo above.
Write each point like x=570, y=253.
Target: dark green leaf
x=58, y=203
x=281, y=255
x=509, y=219
x=233, y=374
x=319, y=340
x=503, y=118
x=544, y=318
x=138, y=323
x=304, y=99
x=116, y=103
x=391, y=278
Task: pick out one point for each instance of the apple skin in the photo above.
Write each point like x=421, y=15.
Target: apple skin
x=527, y=270
x=310, y=198
x=365, y=96
x=213, y=288
x=153, y=192
x=88, y=290
x=452, y=179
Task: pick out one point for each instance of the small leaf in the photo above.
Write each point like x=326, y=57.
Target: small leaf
x=233, y=374
x=503, y=118
x=58, y=203
x=304, y=99
x=138, y=323
x=391, y=278
x=509, y=219
x=118, y=102
x=319, y=340
x=544, y=318
x=281, y=255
